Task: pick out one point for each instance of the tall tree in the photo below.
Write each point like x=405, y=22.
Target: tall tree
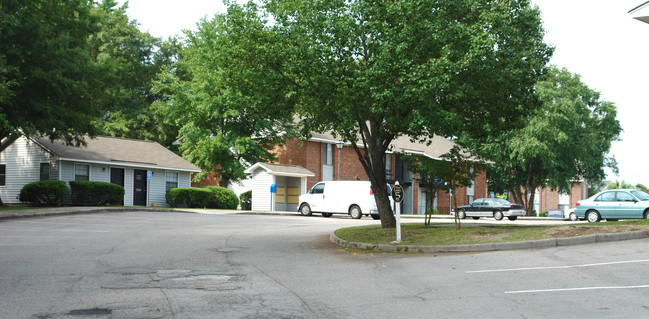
x=567, y=139
x=132, y=59
x=232, y=113
x=371, y=71
x=49, y=82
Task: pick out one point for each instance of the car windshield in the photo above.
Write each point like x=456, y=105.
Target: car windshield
x=640, y=195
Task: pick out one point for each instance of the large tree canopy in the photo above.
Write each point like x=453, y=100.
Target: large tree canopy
x=232, y=113
x=49, y=81
x=565, y=140
x=131, y=60
x=371, y=71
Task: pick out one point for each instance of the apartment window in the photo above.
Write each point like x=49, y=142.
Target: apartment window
x=388, y=166
x=172, y=180
x=3, y=174
x=81, y=172
x=327, y=154
x=45, y=172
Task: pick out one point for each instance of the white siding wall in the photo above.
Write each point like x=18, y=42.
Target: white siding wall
x=22, y=160
x=261, y=190
x=184, y=179
x=23, y=157
x=156, y=188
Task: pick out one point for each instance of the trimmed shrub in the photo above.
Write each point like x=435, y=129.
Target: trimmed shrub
x=195, y=197
x=222, y=198
x=87, y=193
x=246, y=200
x=44, y=193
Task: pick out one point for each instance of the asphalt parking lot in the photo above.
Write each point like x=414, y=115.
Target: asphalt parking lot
x=178, y=265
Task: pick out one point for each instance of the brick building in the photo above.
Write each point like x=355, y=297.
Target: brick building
x=547, y=199
x=330, y=159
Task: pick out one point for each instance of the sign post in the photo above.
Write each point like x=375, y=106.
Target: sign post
x=149, y=177
x=397, y=195
x=273, y=191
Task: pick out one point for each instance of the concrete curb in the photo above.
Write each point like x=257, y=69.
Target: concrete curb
x=76, y=211
x=532, y=244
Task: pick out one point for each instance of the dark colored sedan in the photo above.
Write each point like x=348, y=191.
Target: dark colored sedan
x=491, y=207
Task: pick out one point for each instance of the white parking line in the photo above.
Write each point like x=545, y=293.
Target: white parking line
x=575, y=289
x=559, y=267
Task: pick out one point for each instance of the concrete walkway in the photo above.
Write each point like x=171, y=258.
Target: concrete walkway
x=545, y=243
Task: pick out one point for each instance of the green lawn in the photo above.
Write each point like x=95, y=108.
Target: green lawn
x=445, y=234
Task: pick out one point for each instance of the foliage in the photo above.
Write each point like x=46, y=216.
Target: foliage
x=131, y=60
x=88, y=193
x=372, y=71
x=44, y=193
x=49, y=83
x=642, y=188
x=567, y=139
x=222, y=198
x=620, y=185
x=246, y=200
x=231, y=112
x=189, y=197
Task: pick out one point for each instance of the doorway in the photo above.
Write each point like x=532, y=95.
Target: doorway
x=139, y=187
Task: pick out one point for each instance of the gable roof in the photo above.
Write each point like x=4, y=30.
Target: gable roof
x=282, y=170
x=119, y=152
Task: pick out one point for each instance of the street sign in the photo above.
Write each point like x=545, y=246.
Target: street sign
x=149, y=175
x=397, y=193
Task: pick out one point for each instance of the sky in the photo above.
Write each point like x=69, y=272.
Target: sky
x=596, y=39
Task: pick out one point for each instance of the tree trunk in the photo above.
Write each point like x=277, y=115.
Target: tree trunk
x=457, y=219
x=372, y=157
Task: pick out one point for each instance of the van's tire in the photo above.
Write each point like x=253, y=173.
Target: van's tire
x=327, y=214
x=305, y=210
x=376, y=216
x=355, y=212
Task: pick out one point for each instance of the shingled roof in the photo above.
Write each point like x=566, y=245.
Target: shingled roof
x=437, y=147
x=119, y=151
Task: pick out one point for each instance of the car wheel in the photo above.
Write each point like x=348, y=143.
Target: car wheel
x=475, y=217
x=355, y=212
x=512, y=217
x=646, y=214
x=593, y=216
x=327, y=214
x=461, y=214
x=498, y=215
x=573, y=217
x=305, y=210
x=376, y=216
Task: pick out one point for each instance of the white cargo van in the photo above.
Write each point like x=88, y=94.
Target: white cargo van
x=340, y=197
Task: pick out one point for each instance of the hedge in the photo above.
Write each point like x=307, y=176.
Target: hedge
x=45, y=193
x=87, y=193
x=246, y=200
x=190, y=197
x=222, y=198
